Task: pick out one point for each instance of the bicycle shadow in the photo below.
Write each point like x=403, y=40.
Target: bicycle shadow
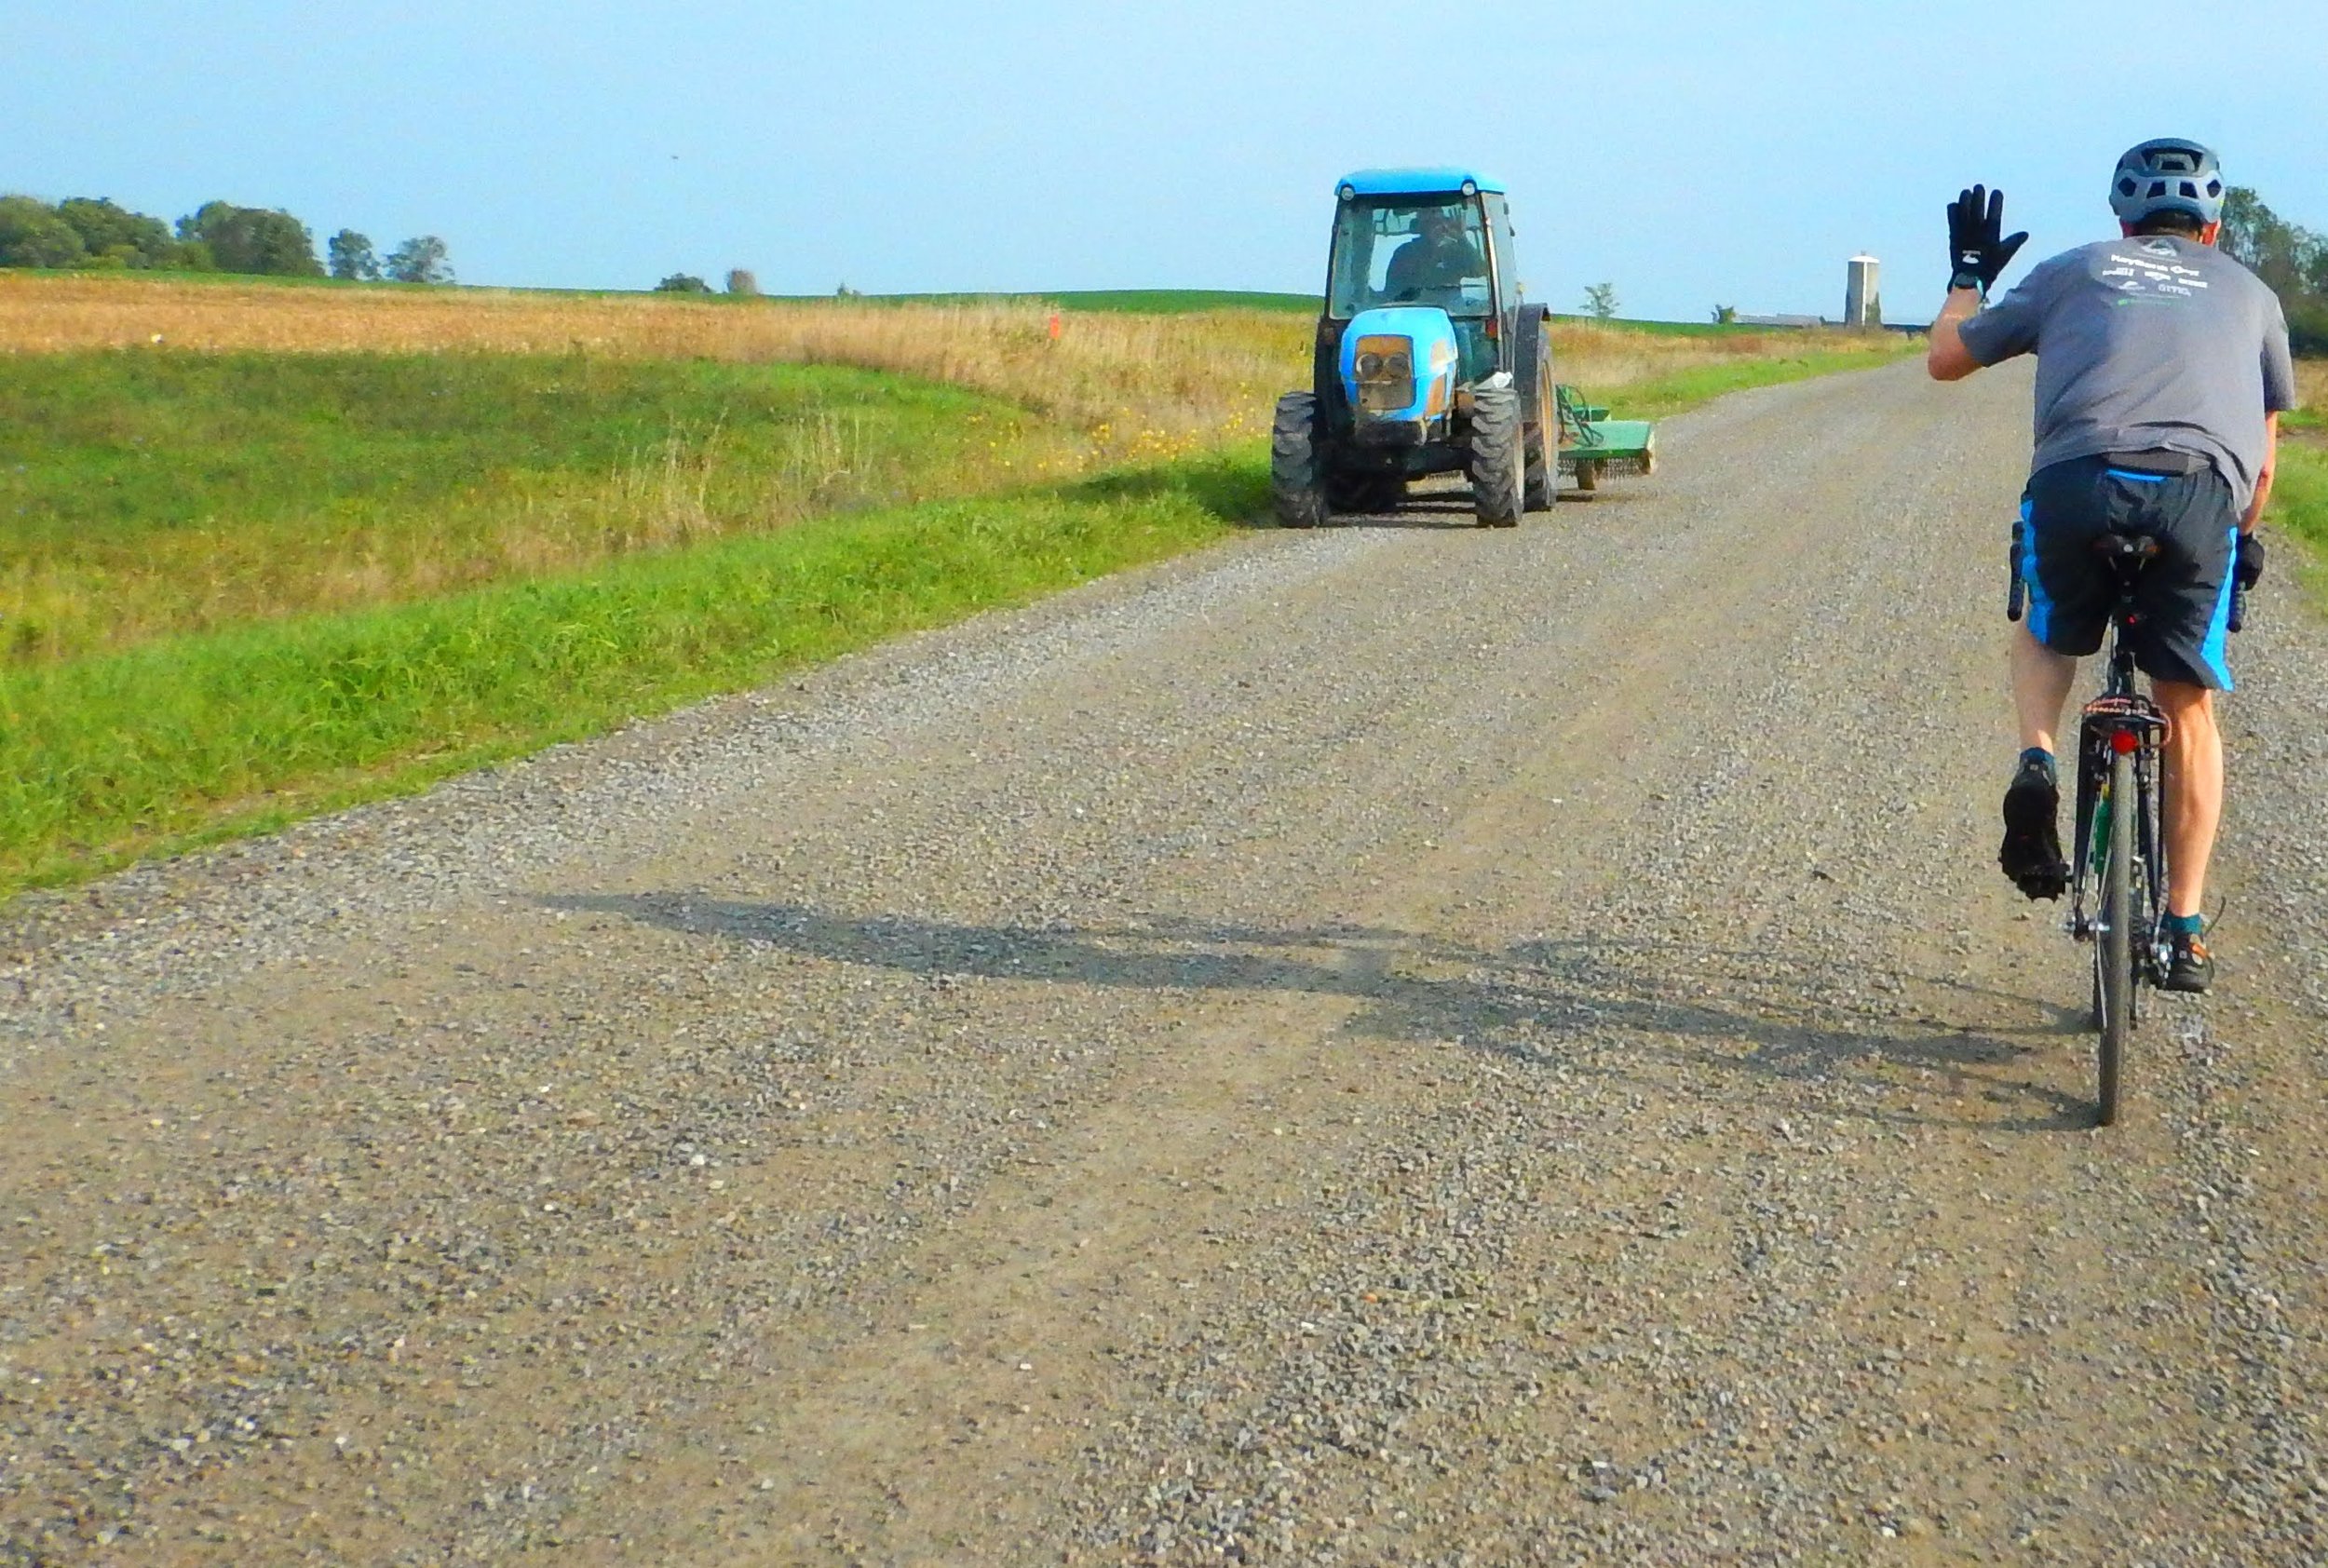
x=1616, y=1006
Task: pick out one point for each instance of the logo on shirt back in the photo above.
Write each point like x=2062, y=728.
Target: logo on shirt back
x=2154, y=270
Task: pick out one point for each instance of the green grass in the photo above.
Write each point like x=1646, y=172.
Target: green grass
x=1667, y=396
x=192, y=737
x=2299, y=508
x=146, y=494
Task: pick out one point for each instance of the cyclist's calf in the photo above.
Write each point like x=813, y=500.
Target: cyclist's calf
x=2193, y=802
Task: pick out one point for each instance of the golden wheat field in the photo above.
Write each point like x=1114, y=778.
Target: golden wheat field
x=1153, y=381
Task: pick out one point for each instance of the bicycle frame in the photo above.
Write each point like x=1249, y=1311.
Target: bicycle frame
x=2122, y=718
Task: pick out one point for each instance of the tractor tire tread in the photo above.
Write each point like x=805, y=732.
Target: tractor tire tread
x=1296, y=473
x=1497, y=467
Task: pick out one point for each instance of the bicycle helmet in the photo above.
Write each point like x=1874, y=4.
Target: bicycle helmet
x=2168, y=175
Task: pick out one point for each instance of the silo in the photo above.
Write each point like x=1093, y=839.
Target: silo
x=1862, y=301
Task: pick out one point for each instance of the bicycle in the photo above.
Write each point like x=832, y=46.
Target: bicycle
x=2118, y=844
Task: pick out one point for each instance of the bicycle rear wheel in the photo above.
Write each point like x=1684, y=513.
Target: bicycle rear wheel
x=2114, y=945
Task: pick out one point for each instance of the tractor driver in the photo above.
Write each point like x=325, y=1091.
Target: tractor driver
x=1437, y=257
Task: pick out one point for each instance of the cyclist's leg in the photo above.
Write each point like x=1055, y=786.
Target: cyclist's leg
x=2194, y=790
x=2041, y=680
x=2185, y=601
x=2068, y=607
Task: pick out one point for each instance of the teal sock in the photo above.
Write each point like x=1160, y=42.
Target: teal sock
x=2184, y=925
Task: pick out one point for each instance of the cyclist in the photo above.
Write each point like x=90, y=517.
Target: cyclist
x=2162, y=369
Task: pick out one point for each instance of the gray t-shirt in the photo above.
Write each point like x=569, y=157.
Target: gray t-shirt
x=2156, y=344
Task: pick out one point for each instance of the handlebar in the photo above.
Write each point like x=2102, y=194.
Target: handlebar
x=2017, y=595
x=2017, y=587
x=2237, y=618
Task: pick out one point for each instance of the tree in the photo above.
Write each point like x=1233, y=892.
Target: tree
x=33, y=235
x=352, y=257
x=1724, y=314
x=683, y=283
x=2291, y=259
x=1600, y=300
x=2294, y=261
x=741, y=282
x=253, y=239
x=115, y=236
x=419, y=260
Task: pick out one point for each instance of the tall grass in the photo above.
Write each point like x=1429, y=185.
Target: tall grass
x=149, y=494
x=1134, y=383
x=1140, y=384
x=2311, y=390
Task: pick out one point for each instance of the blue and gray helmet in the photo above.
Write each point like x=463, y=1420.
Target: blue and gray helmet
x=2168, y=175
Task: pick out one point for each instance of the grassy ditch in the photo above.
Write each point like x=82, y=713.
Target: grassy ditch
x=190, y=739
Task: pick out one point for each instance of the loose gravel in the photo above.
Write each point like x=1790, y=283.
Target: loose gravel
x=1400, y=1044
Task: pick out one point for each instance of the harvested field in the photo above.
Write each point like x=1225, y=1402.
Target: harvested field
x=1142, y=385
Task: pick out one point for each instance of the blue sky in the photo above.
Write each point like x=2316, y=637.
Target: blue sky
x=1692, y=152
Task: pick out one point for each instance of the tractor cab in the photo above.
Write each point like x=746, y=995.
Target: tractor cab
x=1448, y=250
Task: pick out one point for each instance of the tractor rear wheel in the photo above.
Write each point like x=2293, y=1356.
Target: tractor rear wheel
x=1499, y=465
x=1543, y=434
x=1297, y=483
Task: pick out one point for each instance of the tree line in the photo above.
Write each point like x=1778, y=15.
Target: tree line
x=93, y=233
x=2292, y=259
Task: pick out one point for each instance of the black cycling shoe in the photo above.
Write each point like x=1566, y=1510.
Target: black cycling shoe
x=2032, y=852
x=2191, y=968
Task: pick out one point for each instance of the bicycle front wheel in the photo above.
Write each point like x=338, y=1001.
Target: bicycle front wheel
x=2114, y=947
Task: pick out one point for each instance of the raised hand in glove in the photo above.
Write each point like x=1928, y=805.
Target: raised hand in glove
x=1978, y=250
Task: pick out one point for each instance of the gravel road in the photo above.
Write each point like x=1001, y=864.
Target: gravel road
x=1398, y=1045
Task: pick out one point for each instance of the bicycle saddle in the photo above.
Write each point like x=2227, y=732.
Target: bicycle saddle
x=2127, y=548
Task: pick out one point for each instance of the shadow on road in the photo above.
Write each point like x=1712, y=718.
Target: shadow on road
x=1597, y=1003
x=1453, y=508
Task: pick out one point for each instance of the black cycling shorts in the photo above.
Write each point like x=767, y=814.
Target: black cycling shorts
x=2184, y=601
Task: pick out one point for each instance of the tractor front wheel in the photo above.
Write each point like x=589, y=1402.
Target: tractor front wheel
x=1297, y=483
x=1499, y=465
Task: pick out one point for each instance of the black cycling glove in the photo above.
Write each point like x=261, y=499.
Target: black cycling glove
x=2247, y=563
x=1978, y=252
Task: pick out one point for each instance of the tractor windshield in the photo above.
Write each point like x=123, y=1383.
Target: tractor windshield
x=1409, y=249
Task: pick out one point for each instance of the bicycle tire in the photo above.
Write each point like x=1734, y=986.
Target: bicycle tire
x=2114, y=948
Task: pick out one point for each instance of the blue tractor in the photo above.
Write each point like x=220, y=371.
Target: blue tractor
x=1428, y=362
